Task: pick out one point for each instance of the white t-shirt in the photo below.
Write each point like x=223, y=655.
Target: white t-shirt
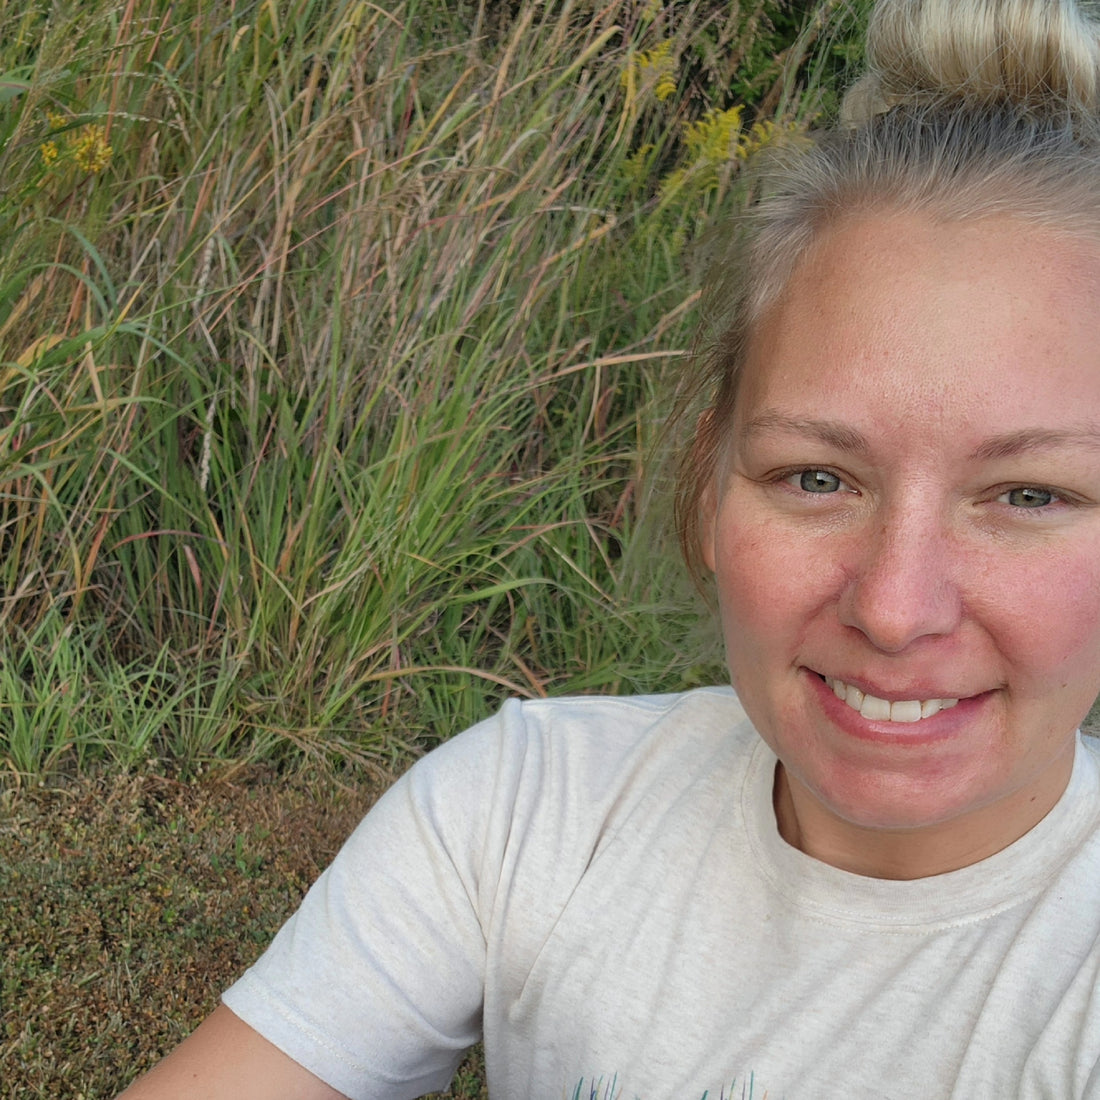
x=598, y=887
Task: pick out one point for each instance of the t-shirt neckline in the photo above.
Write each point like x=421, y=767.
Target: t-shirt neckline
x=970, y=894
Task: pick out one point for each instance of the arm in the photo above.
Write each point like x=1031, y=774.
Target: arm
x=225, y=1059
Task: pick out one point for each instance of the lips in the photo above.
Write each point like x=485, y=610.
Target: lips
x=883, y=710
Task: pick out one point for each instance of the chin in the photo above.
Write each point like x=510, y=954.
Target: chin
x=899, y=803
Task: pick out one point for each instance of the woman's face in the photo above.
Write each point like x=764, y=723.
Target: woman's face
x=908, y=515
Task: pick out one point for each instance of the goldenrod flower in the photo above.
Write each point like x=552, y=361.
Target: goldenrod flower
x=712, y=140
x=673, y=182
x=49, y=152
x=761, y=134
x=710, y=143
x=655, y=68
x=636, y=165
x=90, y=149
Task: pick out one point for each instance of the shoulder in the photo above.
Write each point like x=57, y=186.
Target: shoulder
x=600, y=726
x=581, y=742
x=568, y=770
x=625, y=718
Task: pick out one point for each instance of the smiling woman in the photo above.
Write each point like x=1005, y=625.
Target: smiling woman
x=912, y=470
x=873, y=868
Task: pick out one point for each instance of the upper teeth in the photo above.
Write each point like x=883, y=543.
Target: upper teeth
x=881, y=710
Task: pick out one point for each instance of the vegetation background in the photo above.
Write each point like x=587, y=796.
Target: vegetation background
x=337, y=342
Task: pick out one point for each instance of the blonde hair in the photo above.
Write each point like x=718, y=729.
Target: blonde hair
x=968, y=109
x=986, y=53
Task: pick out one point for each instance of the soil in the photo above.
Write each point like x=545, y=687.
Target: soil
x=127, y=905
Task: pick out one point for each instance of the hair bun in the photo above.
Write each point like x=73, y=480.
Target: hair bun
x=1035, y=55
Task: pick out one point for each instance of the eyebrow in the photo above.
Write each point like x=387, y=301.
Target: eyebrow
x=846, y=438
x=1036, y=439
x=832, y=432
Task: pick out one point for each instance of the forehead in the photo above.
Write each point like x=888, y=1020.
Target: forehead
x=932, y=317
x=901, y=245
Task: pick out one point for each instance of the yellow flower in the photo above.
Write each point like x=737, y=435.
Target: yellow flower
x=90, y=149
x=636, y=165
x=762, y=134
x=711, y=144
x=712, y=140
x=672, y=183
x=49, y=152
x=56, y=120
x=655, y=68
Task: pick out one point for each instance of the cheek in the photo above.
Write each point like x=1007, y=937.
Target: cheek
x=768, y=585
x=1048, y=619
x=744, y=595
x=1072, y=615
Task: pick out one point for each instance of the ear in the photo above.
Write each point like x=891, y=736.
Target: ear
x=708, y=522
x=708, y=498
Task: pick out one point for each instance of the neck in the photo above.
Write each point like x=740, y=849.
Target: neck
x=909, y=853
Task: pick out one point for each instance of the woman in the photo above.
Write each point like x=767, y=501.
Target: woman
x=875, y=870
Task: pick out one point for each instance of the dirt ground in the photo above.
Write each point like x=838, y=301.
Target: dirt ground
x=127, y=905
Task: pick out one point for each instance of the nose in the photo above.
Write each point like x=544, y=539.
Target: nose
x=902, y=584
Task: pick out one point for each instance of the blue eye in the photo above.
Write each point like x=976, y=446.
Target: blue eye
x=1028, y=496
x=819, y=481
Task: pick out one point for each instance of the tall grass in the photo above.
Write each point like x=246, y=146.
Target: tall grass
x=333, y=345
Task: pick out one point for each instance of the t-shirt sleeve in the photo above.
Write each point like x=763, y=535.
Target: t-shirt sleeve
x=376, y=983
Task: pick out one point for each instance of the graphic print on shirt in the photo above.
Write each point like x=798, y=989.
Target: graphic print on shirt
x=608, y=1089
